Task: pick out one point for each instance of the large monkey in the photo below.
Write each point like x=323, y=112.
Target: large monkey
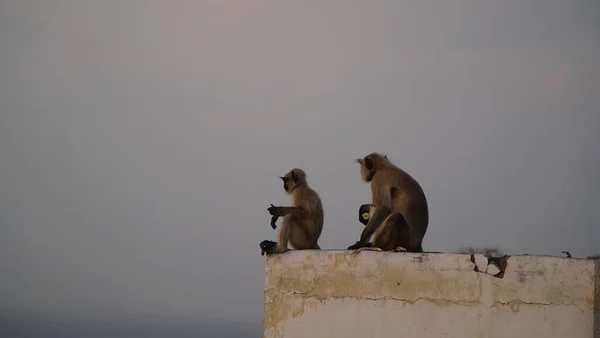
x=302, y=222
x=398, y=213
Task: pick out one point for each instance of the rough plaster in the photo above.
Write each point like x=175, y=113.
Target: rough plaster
x=378, y=294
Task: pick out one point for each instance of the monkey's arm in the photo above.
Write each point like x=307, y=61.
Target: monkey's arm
x=382, y=208
x=282, y=211
x=277, y=212
x=380, y=213
x=382, y=205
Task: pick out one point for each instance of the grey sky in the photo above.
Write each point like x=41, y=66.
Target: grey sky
x=137, y=138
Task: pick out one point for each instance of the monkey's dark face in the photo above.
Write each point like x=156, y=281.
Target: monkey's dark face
x=292, y=179
x=370, y=164
x=367, y=170
x=286, y=183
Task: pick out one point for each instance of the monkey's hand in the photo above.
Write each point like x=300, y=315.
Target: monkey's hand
x=267, y=247
x=277, y=211
x=273, y=220
x=357, y=245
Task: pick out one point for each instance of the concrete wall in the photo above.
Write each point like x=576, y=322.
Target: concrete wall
x=374, y=294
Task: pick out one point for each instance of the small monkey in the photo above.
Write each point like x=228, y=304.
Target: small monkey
x=364, y=213
x=398, y=213
x=302, y=222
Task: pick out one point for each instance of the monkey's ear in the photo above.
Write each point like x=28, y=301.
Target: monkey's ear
x=282, y=178
x=294, y=176
x=368, y=163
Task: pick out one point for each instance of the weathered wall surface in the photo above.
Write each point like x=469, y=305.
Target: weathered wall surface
x=597, y=301
x=375, y=294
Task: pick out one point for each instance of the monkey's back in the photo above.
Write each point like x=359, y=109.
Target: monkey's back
x=305, y=197
x=411, y=201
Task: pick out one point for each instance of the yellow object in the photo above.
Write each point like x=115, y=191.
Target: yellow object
x=366, y=215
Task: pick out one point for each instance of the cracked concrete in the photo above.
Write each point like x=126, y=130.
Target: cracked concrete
x=337, y=294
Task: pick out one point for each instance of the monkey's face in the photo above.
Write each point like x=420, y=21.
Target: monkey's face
x=369, y=165
x=286, y=183
x=367, y=170
x=292, y=179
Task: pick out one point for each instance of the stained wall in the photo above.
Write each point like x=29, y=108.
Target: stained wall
x=377, y=294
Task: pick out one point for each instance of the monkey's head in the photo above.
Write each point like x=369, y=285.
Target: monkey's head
x=370, y=164
x=293, y=179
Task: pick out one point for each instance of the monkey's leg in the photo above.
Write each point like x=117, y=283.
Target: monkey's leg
x=301, y=236
x=393, y=234
x=280, y=246
x=284, y=233
x=417, y=220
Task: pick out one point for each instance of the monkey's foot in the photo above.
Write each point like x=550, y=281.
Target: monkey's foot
x=399, y=249
x=366, y=248
x=267, y=247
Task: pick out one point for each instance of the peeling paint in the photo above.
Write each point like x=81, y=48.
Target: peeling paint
x=305, y=284
x=481, y=263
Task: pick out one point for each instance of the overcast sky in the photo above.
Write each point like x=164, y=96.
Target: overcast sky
x=141, y=140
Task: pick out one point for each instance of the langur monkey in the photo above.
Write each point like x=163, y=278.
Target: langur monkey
x=398, y=215
x=302, y=222
x=392, y=235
